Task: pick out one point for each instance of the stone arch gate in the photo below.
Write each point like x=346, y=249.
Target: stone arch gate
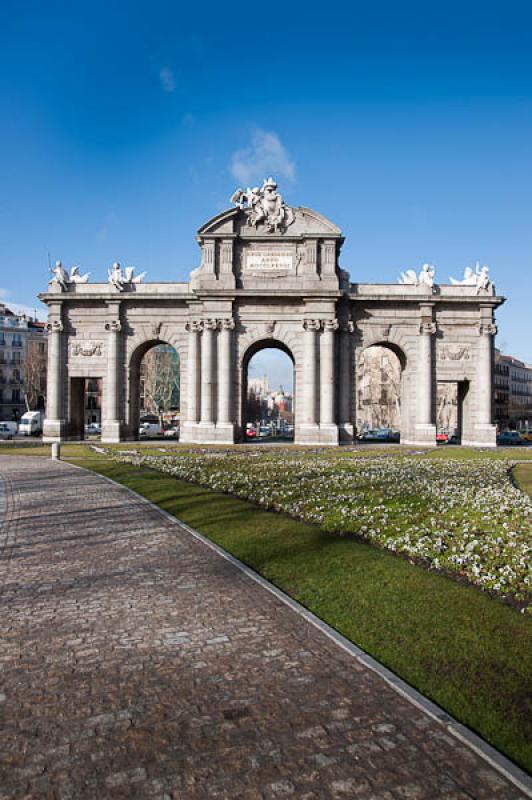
x=270, y=274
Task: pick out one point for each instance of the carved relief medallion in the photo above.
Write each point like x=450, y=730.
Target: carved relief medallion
x=455, y=352
x=87, y=349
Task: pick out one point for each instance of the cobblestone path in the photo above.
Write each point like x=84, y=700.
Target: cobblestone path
x=135, y=662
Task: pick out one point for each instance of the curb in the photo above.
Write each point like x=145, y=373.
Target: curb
x=493, y=757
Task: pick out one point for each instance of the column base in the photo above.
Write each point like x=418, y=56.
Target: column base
x=225, y=432
x=206, y=433
x=188, y=432
x=422, y=436
x=54, y=430
x=316, y=434
x=346, y=433
x=111, y=430
x=481, y=436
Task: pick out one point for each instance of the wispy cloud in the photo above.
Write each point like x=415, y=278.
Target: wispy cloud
x=37, y=310
x=167, y=78
x=266, y=155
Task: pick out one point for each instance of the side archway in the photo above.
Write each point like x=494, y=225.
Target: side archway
x=382, y=395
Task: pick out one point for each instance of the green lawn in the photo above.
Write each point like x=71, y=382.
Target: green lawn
x=523, y=477
x=465, y=650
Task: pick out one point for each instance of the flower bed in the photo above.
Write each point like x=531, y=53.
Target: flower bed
x=465, y=517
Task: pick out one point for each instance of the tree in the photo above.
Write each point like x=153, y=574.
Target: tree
x=33, y=375
x=160, y=379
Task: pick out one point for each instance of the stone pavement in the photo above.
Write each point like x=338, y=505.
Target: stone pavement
x=135, y=662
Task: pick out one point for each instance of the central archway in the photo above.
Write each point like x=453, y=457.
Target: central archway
x=268, y=392
x=154, y=391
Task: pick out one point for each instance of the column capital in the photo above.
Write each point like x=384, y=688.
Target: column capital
x=55, y=326
x=330, y=325
x=312, y=324
x=227, y=324
x=210, y=324
x=487, y=329
x=113, y=325
x=194, y=326
x=427, y=328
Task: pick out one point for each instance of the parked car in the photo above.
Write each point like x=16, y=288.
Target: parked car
x=380, y=435
x=12, y=426
x=251, y=433
x=93, y=429
x=264, y=432
x=442, y=438
x=509, y=438
x=5, y=431
x=171, y=433
x=526, y=436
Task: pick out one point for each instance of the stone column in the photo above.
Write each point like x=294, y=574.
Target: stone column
x=207, y=379
x=327, y=363
x=111, y=422
x=481, y=431
x=345, y=386
x=224, y=426
x=54, y=422
x=425, y=430
x=310, y=356
x=487, y=331
x=193, y=363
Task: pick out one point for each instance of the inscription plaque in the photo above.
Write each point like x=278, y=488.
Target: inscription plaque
x=269, y=260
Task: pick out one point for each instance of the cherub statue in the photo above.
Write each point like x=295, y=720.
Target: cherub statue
x=238, y=198
x=483, y=279
x=75, y=277
x=426, y=276
x=116, y=278
x=60, y=276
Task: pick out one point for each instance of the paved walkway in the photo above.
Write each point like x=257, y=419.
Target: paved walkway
x=135, y=662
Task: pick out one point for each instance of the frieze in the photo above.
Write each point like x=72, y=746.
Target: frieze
x=454, y=352
x=86, y=349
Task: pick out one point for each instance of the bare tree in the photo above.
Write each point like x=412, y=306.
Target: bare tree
x=160, y=379
x=33, y=374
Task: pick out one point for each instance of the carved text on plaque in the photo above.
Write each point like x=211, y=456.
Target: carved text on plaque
x=269, y=260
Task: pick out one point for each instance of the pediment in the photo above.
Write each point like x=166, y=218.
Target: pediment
x=307, y=223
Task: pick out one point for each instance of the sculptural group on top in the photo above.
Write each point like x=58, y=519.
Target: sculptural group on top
x=115, y=276
x=477, y=277
x=264, y=206
x=425, y=278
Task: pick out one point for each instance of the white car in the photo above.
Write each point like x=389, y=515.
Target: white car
x=5, y=431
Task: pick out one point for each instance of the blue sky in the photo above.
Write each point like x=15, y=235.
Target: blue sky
x=126, y=125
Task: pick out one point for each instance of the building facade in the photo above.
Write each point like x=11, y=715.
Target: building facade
x=23, y=359
x=513, y=393
x=270, y=277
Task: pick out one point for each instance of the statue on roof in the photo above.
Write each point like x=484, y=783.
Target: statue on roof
x=264, y=206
